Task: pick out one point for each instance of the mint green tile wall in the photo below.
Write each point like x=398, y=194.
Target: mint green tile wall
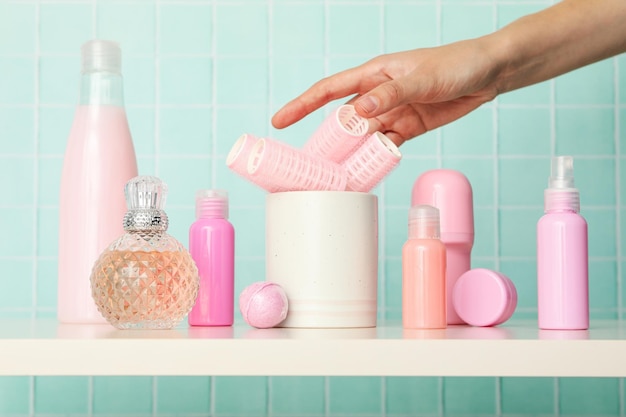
x=198, y=73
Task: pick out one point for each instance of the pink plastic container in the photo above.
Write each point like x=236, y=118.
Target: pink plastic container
x=371, y=163
x=286, y=168
x=212, y=247
x=424, y=272
x=482, y=297
x=341, y=133
x=99, y=160
x=562, y=254
x=451, y=193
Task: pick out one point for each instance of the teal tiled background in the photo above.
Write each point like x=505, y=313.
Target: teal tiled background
x=198, y=73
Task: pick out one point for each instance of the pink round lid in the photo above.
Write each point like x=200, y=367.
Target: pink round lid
x=482, y=297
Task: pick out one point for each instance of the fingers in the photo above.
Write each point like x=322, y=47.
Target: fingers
x=385, y=97
x=337, y=86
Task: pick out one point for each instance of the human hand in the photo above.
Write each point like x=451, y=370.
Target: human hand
x=408, y=93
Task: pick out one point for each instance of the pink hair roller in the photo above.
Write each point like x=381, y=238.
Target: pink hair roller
x=237, y=161
x=289, y=169
x=341, y=133
x=371, y=162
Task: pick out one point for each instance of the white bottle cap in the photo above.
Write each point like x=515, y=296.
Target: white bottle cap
x=100, y=55
x=424, y=222
x=562, y=172
x=561, y=193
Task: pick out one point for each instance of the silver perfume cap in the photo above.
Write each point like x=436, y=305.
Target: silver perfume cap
x=145, y=199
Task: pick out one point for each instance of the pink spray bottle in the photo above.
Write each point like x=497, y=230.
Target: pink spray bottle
x=562, y=257
x=212, y=247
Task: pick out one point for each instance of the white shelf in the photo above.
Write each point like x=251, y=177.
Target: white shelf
x=44, y=347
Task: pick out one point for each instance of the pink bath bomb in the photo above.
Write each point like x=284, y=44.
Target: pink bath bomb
x=263, y=304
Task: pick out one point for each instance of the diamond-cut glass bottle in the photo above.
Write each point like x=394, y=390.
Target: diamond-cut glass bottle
x=146, y=278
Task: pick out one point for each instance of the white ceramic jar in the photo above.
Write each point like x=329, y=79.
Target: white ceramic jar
x=322, y=248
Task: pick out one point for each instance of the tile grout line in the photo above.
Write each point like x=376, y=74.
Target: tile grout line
x=157, y=90
x=618, y=222
x=618, y=185
x=49, y=105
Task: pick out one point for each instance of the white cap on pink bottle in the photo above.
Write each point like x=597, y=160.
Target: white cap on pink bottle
x=101, y=55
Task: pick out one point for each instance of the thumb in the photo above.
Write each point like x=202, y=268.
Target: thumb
x=382, y=98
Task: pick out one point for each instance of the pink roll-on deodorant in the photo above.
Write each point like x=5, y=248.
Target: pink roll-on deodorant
x=450, y=192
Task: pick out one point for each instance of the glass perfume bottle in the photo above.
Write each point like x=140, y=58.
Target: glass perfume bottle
x=146, y=278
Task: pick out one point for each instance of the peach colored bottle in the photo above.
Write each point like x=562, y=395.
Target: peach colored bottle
x=424, y=272
x=451, y=192
x=99, y=160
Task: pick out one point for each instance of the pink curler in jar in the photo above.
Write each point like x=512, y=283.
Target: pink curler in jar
x=286, y=168
x=339, y=135
x=237, y=161
x=371, y=162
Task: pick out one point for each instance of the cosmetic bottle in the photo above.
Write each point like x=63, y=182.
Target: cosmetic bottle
x=424, y=272
x=146, y=278
x=99, y=159
x=562, y=258
x=212, y=247
x=450, y=192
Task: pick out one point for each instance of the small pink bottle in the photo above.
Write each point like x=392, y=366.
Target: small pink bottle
x=99, y=160
x=451, y=192
x=212, y=247
x=424, y=272
x=562, y=261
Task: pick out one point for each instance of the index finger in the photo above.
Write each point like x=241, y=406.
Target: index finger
x=336, y=86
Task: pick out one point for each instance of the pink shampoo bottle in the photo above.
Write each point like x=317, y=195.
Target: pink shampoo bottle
x=99, y=160
x=562, y=257
x=424, y=272
x=212, y=247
